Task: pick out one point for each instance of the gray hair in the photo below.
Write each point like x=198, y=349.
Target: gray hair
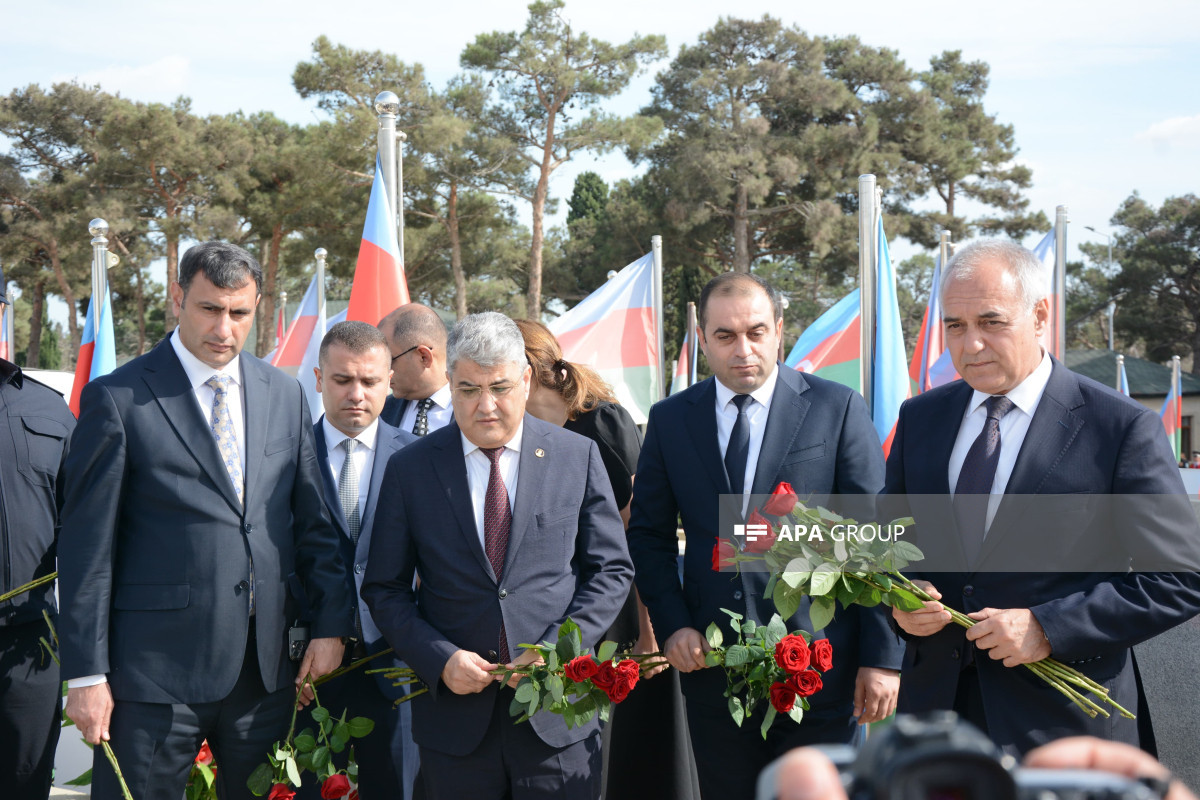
x=1031, y=275
x=489, y=339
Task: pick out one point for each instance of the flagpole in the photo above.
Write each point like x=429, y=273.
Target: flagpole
x=945, y=250
x=1120, y=369
x=283, y=317
x=656, y=249
x=691, y=338
x=98, y=228
x=387, y=107
x=401, y=138
x=866, y=282
x=1060, y=275
x=319, y=329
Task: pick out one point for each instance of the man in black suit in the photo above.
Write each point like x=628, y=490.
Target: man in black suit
x=35, y=429
x=420, y=401
x=193, y=493
x=1042, y=577
x=512, y=526
x=353, y=447
x=750, y=427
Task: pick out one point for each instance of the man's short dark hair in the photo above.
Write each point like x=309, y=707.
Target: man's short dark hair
x=737, y=283
x=357, y=337
x=225, y=265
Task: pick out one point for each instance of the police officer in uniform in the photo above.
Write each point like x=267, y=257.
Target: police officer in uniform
x=35, y=429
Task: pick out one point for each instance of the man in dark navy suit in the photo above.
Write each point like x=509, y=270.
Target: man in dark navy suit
x=745, y=430
x=35, y=429
x=353, y=447
x=420, y=399
x=1045, y=577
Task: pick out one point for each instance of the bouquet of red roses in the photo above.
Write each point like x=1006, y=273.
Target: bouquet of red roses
x=768, y=663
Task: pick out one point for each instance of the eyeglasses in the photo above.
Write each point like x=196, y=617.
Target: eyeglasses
x=406, y=352
x=472, y=393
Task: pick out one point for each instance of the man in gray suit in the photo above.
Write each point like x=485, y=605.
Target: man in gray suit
x=193, y=494
x=512, y=526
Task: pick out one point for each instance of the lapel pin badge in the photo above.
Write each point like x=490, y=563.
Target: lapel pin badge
x=540, y=453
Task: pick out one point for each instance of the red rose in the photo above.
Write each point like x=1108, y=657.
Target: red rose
x=822, y=655
x=628, y=671
x=782, y=501
x=581, y=668
x=281, y=791
x=724, y=554
x=205, y=755
x=761, y=543
x=783, y=696
x=806, y=683
x=605, y=677
x=335, y=786
x=791, y=654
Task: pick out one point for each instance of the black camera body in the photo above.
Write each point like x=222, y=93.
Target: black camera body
x=937, y=756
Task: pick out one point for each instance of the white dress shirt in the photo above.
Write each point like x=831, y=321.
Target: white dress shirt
x=756, y=414
x=439, y=414
x=479, y=470
x=197, y=373
x=1013, y=427
x=364, y=456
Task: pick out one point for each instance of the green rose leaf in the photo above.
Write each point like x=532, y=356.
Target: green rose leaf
x=713, y=636
x=776, y=629
x=768, y=718
x=737, y=711
x=320, y=714
x=736, y=656
x=823, y=580
x=293, y=772
x=787, y=600
x=606, y=652
x=526, y=693
x=554, y=684
x=821, y=612
x=305, y=742
x=259, y=782
x=360, y=726
x=905, y=600
x=320, y=758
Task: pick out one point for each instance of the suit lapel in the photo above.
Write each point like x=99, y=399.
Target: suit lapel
x=941, y=435
x=168, y=382
x=331, y=493
x=788, y=409
x=386, y=444
x=450, y=466
x=257, y=413
x=702, y=425
x=1051, y=432
x=531, y=476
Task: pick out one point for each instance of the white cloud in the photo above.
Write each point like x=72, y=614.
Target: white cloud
x=1173, y=131
x=161, y=80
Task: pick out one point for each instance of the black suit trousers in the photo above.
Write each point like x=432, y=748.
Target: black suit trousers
x=156, y=743
x=30, y=711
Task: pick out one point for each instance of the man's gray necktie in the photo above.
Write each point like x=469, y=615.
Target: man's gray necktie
x=976, y=478
x=221, y=424
x=348, y=490
x=421, y=426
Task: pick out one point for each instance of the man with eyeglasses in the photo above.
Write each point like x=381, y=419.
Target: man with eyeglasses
x=512, y=525
x=420, y=399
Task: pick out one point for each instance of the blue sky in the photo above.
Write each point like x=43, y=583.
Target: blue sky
x=1102, y=94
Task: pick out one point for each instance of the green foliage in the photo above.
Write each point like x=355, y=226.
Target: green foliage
x=589, y=199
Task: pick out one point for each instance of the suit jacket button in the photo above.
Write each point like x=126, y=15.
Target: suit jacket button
x=243, y=586
x=492, y=655
x=503, y=593
x=248, y=528
x=968, y=590
x=737, y=595
x=954, y=654
x=358, y=569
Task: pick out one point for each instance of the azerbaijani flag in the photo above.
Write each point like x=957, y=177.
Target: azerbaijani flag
x=613, y=330
x=830, y=346
x=379, y=286
x=1044, y=250
x=889, y=385
x=685, y=373
x=97, y=351
x=1172, y=414
x=290, y=351
x=931, y=342
x=1123, y=381
x=6, y=336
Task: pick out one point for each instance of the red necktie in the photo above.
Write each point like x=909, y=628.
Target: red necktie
x=497, y=521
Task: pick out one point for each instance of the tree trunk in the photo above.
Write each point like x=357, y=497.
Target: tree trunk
x=69, y=298
x=170, y=321
x=140, y=296
x=950, y=200
x=266, y=307
x=533, y=297
x=741, y=231
x=460, y=279
x=37, y=311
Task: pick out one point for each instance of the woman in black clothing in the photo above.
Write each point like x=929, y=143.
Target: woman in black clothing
x=647, y=752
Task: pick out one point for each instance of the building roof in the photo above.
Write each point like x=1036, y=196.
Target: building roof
x=1146, y=378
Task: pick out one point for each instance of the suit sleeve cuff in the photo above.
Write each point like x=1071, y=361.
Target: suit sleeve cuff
x=86, y=680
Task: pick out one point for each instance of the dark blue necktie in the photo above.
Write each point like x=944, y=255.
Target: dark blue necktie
x=738, y=451
x=976, y=478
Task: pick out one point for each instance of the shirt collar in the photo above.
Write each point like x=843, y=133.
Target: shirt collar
x=10, y=373
x=1027, y=394
x=334, y=437
x=441, y=398
x=513, y=444
x=761, y=395
x=197, y=371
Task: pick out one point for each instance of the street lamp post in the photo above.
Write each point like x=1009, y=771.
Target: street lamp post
x=1112, y=304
